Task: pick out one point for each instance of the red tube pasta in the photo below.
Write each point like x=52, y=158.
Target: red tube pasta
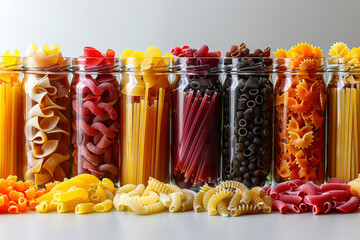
x=349, y=206
x=280, y=206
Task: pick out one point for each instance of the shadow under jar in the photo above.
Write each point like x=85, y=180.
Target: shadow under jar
x=145, y=120
x=47, y=118
x=247, y=121
x=95, y=110
x=343, y=118
x=196, y=122
x=300, y=109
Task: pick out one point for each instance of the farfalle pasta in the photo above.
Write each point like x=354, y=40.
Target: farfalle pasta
x=343, y=112
x=47, y=120
x=300, y=107
x=11, y=119
x=95, y=110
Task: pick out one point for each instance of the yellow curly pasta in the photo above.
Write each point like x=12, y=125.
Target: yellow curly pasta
x=245, y=209
x=235, y=200
x=155, y=208
x=222, y=207
x=72, y=194
x=165, y=200
x=246, y=198
x=104, y=206
x=233, y=184
x=268, y=204
x=106, y=183
x=173, y=188
x=137, y=191
x=156, y=186
x=148, y=200
x=83, y=208
x=187, y=204
x=255, y=197
x=216, y=198
x=198, y=201
x=207, y=197
x=126, y=188
x=176, y=198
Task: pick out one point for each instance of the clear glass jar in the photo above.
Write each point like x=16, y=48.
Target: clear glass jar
x=47, y=118
x=95, y=111
x=145, y=120
x=343, y=118
x=248, y=120
x=196, y=122
x=11, y=119
x=300, y=109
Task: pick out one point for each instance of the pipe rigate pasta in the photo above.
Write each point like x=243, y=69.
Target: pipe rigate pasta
x=235, y=200
x=176, y=198
x=126, y=188
x=188, y=198
x=207, y=197
x=148, y=200
x=245, y=209
x=216, y=198
x=222, y=207
x=198, y=201
x=165, y=199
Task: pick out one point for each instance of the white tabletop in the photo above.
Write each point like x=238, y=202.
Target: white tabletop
x=184, y=226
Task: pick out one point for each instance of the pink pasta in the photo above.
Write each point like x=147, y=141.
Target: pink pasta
x=336, y=180
x=327, y=207
x=316, y=209
x=292, y=208
x=335, y=186
x=296, y=200
x=282, y=187
x=309, y=189
x=295, y=183
x=296, y=193
x=318, y=199
x=280, y=206
x=349, y=206
x=303, y=207
x=339, y=195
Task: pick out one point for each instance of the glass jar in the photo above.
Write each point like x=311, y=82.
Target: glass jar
x=95, y=111
x=47, y=118
x=343, y=118
x=145, y=120
x=11, y=120
x=300, y=109
x=196, y=122
x=248, y=119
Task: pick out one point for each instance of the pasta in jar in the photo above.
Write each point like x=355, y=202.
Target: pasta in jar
x=46, y=109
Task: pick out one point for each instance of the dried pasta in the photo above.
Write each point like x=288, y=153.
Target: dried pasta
x=148, y=200
x=207, y=197
x=198, y=201
x=235, y=200
x=104, y=206
x=216, y=198
x=222, y=207
x=84, y=208
x=244, y=210
x=175, y=201
x=188, y=200
x=165, y=200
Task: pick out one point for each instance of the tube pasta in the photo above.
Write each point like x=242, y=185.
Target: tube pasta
x=53, y=205
x=216, y=198
x=138, y=190
x=104, y=206
x=43, y=207
x=245, y=209
x=72, y=194
x=117, y=202
x=187, y=204
x=207, y=197
x=175, y=201
x=148, y=200
x=198, y=201
x=69, y=206
x=235, y=200
x=165, y=200
x=126, y=188
x=222, y=207
x=101, y=193
x=84, y=208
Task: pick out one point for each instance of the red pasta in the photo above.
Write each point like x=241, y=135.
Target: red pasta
x=317, y=187
x=282, y=187
x=308, y=189
x=318, y=199
x=296, y=200
x=295, y=183
x=335, y=186
x=292, y=208
x=327, y=207
x=296, y=193
x=336, y=180
x=280, y=206
x=95, y=107
x=316, y=209
x=349, y=206
x=339, y=195
x=303, y=207
x=202, y=51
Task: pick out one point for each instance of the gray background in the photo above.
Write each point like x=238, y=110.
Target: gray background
x=137, y=24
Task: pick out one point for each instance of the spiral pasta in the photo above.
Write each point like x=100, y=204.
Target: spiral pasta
x=207, y=197
x=175, y=201
x=188, y=200
x=235, y=200
x=216, y=198
x=222, y=207
x=198, y=201
x=148, y=200
x=47, y=124
x=245, y=209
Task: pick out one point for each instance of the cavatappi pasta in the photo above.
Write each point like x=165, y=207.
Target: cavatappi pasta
x=234, y=198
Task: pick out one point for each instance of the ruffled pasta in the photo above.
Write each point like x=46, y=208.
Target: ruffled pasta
x=165, y=200
x=188, y=200
x=198, y=201
x=207, y=197
x=244, y=210
x=222, y=207
x=176, y=198
x=216, y=198
x=148, y=200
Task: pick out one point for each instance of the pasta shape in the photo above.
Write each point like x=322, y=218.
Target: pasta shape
x=155, y=208
x=235, y=200
x=165, y=200
x=138, y=190
x=256, y=200
x=117, y=202
x=245, y=209
x=72, y=194
x=268, y=204
x=126, y=188
x=222, y=207
x=198, y=201
x=187, y=204
x=43, y=207
x=148, y=200
x=339, y=50
x=69, y=206
x=207, y=197
x=84, y=208
x=53, y=205
x=104, y=206
x=176, y=198
x=216, y=198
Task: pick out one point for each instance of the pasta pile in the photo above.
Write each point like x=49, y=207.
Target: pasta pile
x=84, y=193
x=296, y=197
x=355, y=186
x=156, y=197
x=234, y=197
x=18, y=196
x=300, y=108
x=344, y=112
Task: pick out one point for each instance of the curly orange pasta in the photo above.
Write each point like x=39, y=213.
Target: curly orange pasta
x=47, y=128
x=300, y=107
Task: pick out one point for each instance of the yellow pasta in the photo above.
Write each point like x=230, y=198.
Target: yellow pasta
x=91, y=191
x=216, y=198
x=137, y=208
x=268, y=204
x=222, y=207
x=43, y=207
x=255, y=197
x=69, y=206
x=235, y=200
x=53, y=205
x=173, y=188
x=88, y=178
x=198, y=201
x=109, y=194
x=94, y=198
x=101, y=193
x=64, y=186
x=155, y=208
x=233, y=184
x=117, y=202
x=126, y=188
x=165, y=200
x=245, y=209
x=72, y=194
x=355, y=186
x=148, y=200
x=104, y=206
x=156, y=186
x=175, y=201
x=207, y=197
x=84, y=208
x=106, y=183
x=188, y=198
x=48, y=196
x=246, y=198
x=137, y=191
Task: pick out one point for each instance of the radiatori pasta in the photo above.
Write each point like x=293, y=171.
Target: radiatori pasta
x=234, y=198
x=83, y=194
x=155, y=198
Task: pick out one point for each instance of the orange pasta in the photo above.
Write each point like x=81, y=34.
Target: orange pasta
x=300, y=115
x=10, y=116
